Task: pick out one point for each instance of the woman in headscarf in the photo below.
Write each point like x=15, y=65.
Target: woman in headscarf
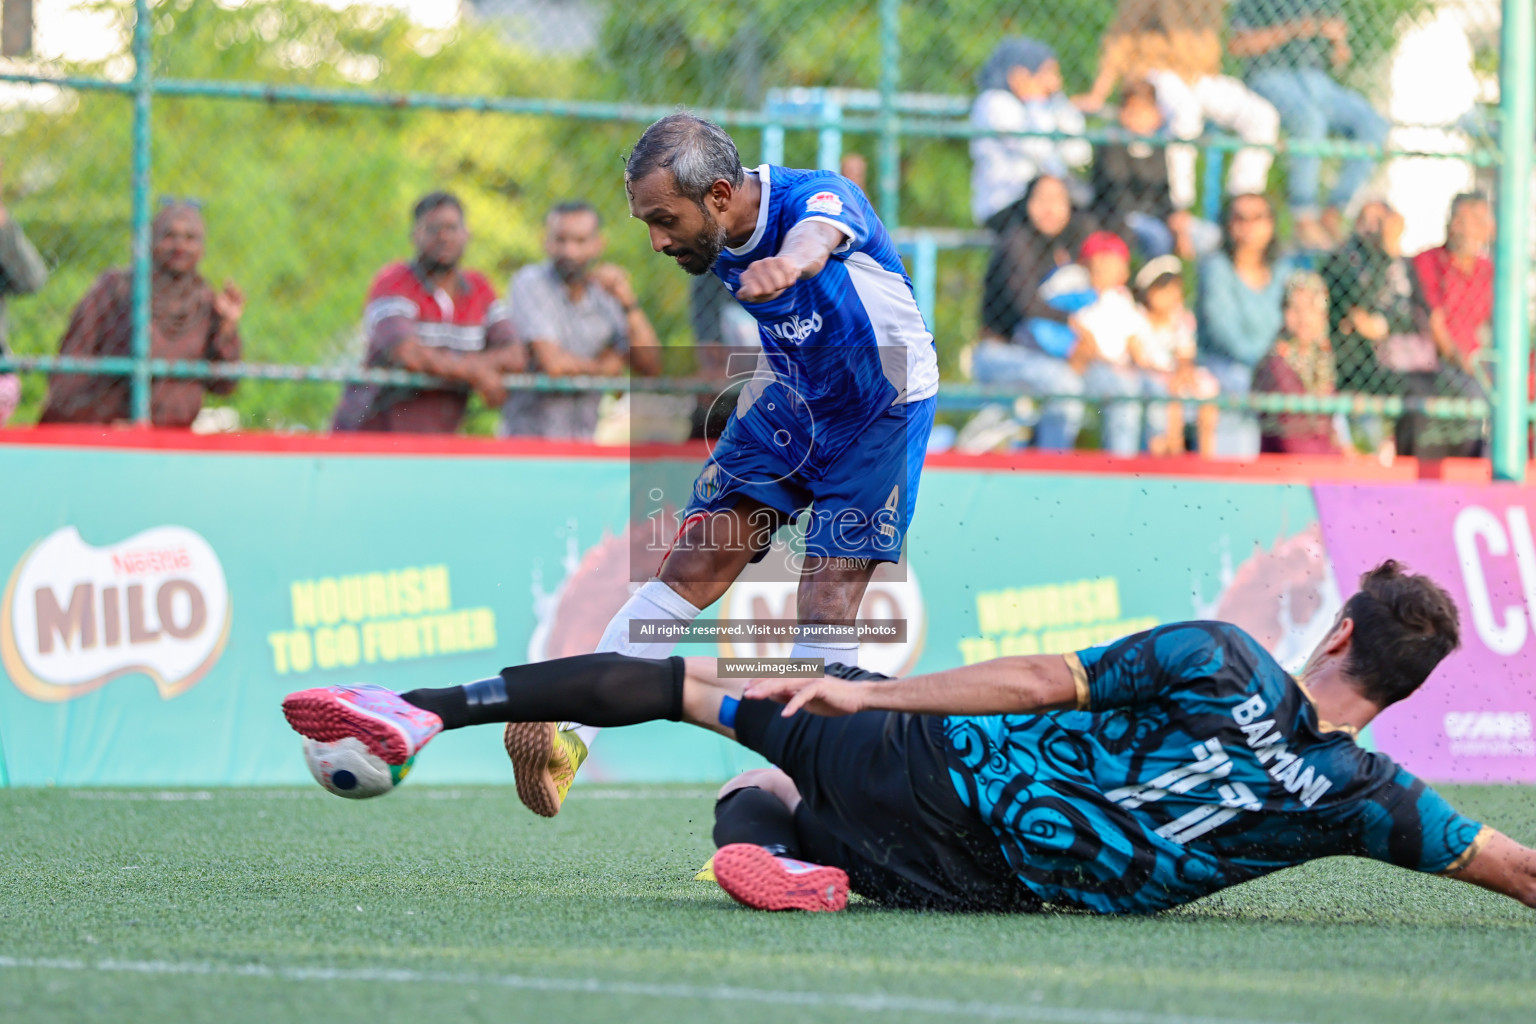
x=188, y=320
x=1300, y=363
x=1021, y=92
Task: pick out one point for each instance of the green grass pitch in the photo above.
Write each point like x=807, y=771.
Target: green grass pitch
x=435, y=904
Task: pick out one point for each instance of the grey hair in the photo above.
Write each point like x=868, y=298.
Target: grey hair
x=697, y=152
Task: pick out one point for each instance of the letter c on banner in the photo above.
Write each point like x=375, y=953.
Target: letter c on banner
x=1471, y=523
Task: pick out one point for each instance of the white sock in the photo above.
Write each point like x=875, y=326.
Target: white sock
x=844, y=651
x=654, y=600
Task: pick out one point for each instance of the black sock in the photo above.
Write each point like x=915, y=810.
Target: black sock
x=596, y=689
x=754, y=815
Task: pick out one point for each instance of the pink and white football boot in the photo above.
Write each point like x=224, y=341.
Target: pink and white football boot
x=752, y=876
x=392, y=729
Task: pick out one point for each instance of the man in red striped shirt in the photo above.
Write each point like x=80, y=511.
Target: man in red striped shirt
x=430, y=316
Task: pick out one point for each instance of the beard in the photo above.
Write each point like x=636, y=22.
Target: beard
x=699, y=255
x=431, y=265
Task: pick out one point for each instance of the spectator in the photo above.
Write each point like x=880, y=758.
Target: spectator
x=1288, y=46
x=1015, y=346
x=430, y=316
x=1168, y=351
x=581, y=318
x=855, y=168
x=1021, y=92
x=1301, y=363
x=22, y=272
x=1026, y=252
x=1115, y=330
x=188, y=320
x=1176, y=45
x=1239, y=312
x=1456, y=282
x=1130, y=185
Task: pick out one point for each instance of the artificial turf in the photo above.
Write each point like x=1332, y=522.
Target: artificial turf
x=438, y=904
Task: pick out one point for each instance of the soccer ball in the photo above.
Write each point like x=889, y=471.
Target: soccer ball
x=348, y=769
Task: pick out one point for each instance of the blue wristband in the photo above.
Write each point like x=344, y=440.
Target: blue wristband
x=728, y=707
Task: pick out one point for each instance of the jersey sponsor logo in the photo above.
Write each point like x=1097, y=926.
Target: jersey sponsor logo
x=1490, y=733
x=796, y=329
x=1269, y=748
x=75, y=616
x=825, y=202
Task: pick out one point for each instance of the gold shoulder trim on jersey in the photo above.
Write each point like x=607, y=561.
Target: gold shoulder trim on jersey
x=1473, y=849
x=1079, y=679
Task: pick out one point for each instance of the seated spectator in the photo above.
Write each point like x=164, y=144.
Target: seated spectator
x=188, y=320
x=1115, y=331
x=1456, y=283
x=1021, y=91
x=1300, y=363
x=1025, y=253
x=1168, y=349
x=1288, y=47
x=1238, y=309
x=22, y=272
x=580, y=318
x=430, y=316
x=1176, y=45
x=1131, y=195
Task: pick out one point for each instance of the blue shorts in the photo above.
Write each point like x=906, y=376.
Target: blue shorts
x=860, y=505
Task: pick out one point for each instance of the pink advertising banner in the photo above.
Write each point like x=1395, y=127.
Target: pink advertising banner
x=1472, y=720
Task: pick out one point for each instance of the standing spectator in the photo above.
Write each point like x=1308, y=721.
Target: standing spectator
x=22, y=272
x=581, y=318
x=188, y=320
x=1026, y=252
x=1289, y=45
x=1176, y=45
x=1301, y=363
x=1118, y=331
x=1456, y=282
x=1239, y=309
x=430, y=316
x=1168, y=351
x=1021, y=92
x=1131, y=193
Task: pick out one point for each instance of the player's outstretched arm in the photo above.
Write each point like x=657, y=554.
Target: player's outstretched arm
x=1003, y=686
x=805, y=251
x=1502, y=865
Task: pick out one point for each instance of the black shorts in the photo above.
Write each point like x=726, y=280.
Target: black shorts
x=879, y=803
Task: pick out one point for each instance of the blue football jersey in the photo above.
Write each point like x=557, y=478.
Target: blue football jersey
x=1196, y=762
x=840, y=348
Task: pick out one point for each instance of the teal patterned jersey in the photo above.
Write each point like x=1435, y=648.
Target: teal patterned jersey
x=1196, y=762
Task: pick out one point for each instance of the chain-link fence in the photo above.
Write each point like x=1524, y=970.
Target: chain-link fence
x=1121, y=218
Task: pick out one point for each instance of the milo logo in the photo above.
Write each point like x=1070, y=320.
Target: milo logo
x=74, y=617
x=796, y=329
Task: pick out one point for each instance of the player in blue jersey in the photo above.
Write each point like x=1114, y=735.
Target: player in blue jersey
x=1122, y=779
x=830, y=429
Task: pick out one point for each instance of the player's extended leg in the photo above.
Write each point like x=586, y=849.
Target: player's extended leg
x=831, y=591
x=707, y=556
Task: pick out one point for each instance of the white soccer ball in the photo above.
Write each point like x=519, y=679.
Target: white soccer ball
x=348, y=769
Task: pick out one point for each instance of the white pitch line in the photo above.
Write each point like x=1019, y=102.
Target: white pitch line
x=427, y=792
x=873, y=1003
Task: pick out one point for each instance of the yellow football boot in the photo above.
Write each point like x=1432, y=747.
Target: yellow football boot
x=544, y=762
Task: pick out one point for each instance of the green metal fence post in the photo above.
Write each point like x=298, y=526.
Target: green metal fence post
x=890, y=128
x=1511, y=331
x=143, y=90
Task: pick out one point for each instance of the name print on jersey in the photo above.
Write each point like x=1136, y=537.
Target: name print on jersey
x=1267, y=743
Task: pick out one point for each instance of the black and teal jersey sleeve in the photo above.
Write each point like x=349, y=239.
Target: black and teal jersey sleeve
x=1406, y=823
x=1142, y=667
